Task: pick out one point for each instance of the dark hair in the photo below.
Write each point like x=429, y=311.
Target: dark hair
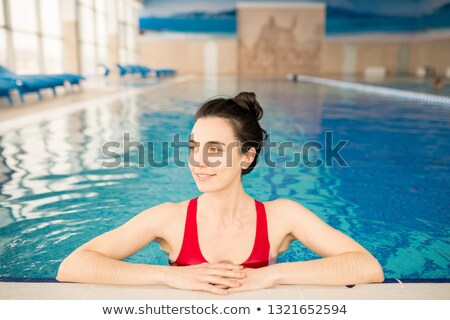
x=243, y=112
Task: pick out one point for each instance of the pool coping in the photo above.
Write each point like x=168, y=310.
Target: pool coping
x=77, y=291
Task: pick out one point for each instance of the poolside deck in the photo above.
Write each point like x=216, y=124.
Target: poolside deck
x=383, y=291
x=91, y=93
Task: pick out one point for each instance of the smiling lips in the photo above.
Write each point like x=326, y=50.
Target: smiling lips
x=202, y=176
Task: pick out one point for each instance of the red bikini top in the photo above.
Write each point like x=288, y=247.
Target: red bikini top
x=190, y=253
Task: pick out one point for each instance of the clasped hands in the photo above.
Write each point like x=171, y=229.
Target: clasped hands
x=219, y=278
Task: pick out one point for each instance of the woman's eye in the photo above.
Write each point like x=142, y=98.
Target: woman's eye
x=215, y=150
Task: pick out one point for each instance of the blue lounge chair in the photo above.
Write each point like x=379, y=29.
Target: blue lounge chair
x=122, y=70
x=143, y=70
x=106, y=71
x=34, y=83
x=72, y=78
x=6, y=85
x=164, y=72
x=131, y=69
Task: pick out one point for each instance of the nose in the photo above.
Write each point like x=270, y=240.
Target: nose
x=196, y=157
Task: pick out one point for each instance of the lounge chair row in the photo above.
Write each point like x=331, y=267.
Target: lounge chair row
x=144, y=71
x=33, y=83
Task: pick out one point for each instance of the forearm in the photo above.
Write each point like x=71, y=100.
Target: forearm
x=93, y=267
x=344, y=269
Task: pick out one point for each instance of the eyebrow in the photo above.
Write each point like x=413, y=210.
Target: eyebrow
x=209, y=142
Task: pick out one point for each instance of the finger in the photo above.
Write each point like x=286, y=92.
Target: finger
x=219, y=280
x=226, y=273
x=214, y=289
x=222, y=286
x=228, y=266
x=237, y=289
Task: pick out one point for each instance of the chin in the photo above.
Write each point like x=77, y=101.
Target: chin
x=205, y=189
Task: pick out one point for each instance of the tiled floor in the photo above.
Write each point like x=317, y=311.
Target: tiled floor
x=386, y=291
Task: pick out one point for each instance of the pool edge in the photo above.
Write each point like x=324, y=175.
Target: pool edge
x=76, y=291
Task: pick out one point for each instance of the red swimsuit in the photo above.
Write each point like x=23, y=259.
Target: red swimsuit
x=190, y=253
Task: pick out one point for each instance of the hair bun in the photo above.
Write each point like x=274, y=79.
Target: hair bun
x=247, y=101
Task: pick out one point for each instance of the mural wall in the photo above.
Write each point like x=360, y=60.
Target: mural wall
x=326, y=37
x=274, y=41
x=342, y=16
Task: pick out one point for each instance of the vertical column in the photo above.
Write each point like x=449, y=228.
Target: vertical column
x=69, y=11
x=40, y=37
x=10, y=62
x=113, y=34
x=210, y=58
x=403, y=59
x=349, y=59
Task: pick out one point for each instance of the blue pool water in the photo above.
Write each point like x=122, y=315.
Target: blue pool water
x=393, y=197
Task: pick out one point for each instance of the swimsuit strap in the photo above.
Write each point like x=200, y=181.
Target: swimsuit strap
x=190, y=249
x=261, y=248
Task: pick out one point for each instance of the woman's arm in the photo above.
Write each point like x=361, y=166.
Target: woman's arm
x=88, y=266
x=99, y=260
x=343, y=262
x=344, y=269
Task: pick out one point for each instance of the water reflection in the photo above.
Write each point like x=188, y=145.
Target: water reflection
x=47, y=163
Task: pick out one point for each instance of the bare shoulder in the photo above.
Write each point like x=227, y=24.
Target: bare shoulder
x=285, y=208
x=165, y=211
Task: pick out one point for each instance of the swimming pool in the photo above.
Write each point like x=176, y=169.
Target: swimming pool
x=393, y=197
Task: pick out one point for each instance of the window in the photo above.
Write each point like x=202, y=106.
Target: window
x=131, y=38
x=88, y=60
x=86, y=24
x=131, y=57
x=120, y=11
x=34, y=43
x=51, y=28
x=102, y=36
x=50, y=17
x=53, y=57
x=23, y=15
x=135, y=18
x=26, y=52
x=127, y=23
x=102, y=55
x=3, y=52
x=123, y=56
x=129, y=17
x=2, y=14
x=122, y=35
x=87, y=3
x=100, y=6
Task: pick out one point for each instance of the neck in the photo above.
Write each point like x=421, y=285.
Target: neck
x=227, y=205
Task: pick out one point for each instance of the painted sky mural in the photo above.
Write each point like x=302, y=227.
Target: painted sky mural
x=343, y=16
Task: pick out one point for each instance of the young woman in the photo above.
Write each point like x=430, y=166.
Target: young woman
x=223, y=241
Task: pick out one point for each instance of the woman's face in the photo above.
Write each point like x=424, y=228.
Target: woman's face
x=215, y=159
